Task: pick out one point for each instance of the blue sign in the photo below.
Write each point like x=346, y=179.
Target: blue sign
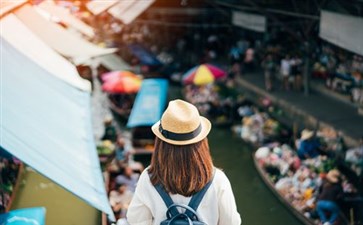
x=28, y=216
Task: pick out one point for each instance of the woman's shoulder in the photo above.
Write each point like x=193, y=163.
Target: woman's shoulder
x=220, y=177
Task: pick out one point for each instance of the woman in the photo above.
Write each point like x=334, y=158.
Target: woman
x=183, y=165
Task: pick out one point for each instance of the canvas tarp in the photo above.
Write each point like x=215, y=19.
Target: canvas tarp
x=66, y=17
x=58, y=38
x=150, y=103
x=128, y=10
x=98, y=6
x=7, y=5
x=249, y=21
x=342, y=30
x=20, y=37
x=46, y=123
x=113, y=62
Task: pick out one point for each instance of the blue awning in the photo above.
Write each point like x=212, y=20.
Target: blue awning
x=150, y=103
x=46, y=123
x=144, y=55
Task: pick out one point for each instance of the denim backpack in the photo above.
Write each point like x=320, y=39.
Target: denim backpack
x=189, y=216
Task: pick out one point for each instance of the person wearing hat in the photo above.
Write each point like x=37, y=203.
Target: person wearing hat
x=309, y=146
x=182, y=163
x=330, y=193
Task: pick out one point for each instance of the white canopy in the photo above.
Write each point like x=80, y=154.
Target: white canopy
x=98, y=6
x=249, y=21
x=46, y=123
x=66, y=17
x=8, y=5
x=128, y=10
x=58, y=38
x=21, y=38
x=114, y=62
x=342, y=30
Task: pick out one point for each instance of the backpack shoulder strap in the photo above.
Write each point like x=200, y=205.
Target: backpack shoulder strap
x=166, y=198
x=197, y=197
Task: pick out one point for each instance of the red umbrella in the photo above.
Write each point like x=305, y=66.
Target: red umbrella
x=121, y=82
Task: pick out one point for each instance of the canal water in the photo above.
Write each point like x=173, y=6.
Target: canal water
x=62, y=207
x=255, y=201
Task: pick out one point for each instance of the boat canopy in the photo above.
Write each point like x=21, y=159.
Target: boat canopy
x=46, y=123
x=150, y=103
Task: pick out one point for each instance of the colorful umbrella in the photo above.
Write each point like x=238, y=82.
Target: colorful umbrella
x=203, y=74
x=121, y=82
x=116, y=75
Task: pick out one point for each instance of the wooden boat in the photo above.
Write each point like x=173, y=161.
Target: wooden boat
x=271, y=186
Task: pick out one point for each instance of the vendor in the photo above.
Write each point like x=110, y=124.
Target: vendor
x=308, y=146
x=330, y=193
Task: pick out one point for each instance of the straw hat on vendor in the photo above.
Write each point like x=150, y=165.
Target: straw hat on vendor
x=333, y=176
x=306, y=134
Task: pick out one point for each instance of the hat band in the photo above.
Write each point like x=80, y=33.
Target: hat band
x=180, y=136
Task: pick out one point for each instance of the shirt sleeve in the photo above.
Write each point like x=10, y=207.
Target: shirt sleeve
x=138, y=213
x=228, y=214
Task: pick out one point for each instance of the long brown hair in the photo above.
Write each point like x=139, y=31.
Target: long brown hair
x=181, y=169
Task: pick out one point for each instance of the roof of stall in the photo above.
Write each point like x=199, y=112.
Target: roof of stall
x=46, y=123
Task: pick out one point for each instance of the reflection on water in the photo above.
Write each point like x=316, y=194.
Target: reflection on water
x=256, y=203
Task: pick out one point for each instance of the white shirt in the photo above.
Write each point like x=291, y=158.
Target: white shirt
x=218, y=206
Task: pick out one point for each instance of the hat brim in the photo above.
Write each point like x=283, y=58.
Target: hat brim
x=206, y=127
x=332, y=179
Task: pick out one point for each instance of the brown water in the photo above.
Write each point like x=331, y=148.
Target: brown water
x=63, y=208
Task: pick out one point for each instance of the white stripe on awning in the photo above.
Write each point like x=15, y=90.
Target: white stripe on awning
x=98, y=6
x=8, y=5
x=19, y=36
x=58, y=38
x=342, y=30
x=128, y=10
x=66, y=17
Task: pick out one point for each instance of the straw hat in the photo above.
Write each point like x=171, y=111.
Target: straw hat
x=107, y=120
x=333, y=176
x=181, y=124
x=306, y=134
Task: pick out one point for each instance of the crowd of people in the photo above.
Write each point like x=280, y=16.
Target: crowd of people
x=120, y=170
x=342, y=71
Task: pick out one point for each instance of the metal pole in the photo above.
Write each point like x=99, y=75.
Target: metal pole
x=306, y=73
